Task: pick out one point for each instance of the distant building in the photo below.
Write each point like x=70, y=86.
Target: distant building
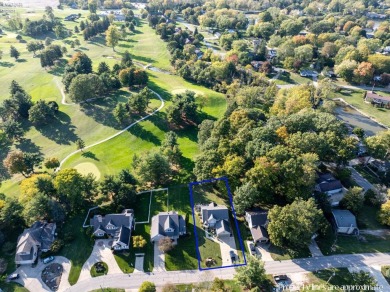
x=376, y=15
x=71, y=17
x=39, y=237
x=216, y=217
x=117, y=226
x=377, y=100
x=258, y=222
x=167, y=224
x=344, y=222
x=308, y=73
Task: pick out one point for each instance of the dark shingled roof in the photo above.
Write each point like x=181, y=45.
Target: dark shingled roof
x=344, y=218
x=259, y=218
x=221, y=226
x=259, y=232
x=164, y=220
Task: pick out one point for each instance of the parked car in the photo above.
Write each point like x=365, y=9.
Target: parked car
x=48, y=260
x=279, y=278
x=13, y=276
x=252, y=249
x=232, y=256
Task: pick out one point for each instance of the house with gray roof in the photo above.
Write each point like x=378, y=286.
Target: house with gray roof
x=328, y=184
x=167, y=224
x=212, y=216
x=258, y=222
x=39, y=237
x=116, y=226
x=344, y=222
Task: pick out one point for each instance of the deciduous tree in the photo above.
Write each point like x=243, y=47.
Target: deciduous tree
x=112, y=36
x=165, y=244
x=252, y=275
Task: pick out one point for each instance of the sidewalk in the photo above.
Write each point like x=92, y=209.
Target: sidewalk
x=314, y=249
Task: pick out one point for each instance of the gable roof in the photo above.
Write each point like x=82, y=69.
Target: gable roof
x=124, y=235
x=258, y=218
x=100, y=222
x=164, y=220
x=259, y=232
x=219, y=212
x=330, y=186
x=344, y=218
x=222, y=226
x=40, y=234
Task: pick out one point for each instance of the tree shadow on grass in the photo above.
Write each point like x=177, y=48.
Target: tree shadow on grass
x=21, y=60
x=165, y=94
x=190, y=132
x=159, y=119
x=6, y=64
x=26, y=145
x=90, y=155
x=59, y=68
x=101, y=111
x=59, y=130
x=128, y=46
x=143, y=134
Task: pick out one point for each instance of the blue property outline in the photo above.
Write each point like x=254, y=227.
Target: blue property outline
x=190, y=185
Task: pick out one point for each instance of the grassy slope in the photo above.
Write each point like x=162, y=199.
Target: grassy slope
x=93, y=124
x=322, y=278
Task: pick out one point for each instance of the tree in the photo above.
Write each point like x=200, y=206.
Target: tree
x=48, y=41
x=140, y=101
x=120, y=112
x=84, y=87
x=353, y=200
x=69, y=185
x=112, y=36
x=304, y=53
x=20, y=162
x=11, y=212
x=329, y=50
x=152, y=168
x=52, y=163
x=40, y=113
x=359, y=132
x=169, y=287
x=147, y=287
x=165, y=244
x=14, y=53
x=36, y=209
x=103, y=68
x=183, y=109
x=364, y=73
x=80, y=144
x=363, y=279
x=170, y=148
x=13, y=130
x=379, y=145
x=138, y=241
x=252, y=275
x=80, y=63
x=245, y=197
x=384, y=214
x=346, y=69
x=126, y=60
x=35, y=46
x=293, y=225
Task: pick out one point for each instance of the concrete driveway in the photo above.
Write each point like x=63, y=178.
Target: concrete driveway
x=31, y=277
x=159, y=259
x=227, y=244
x=361, y=181
x=101, y=253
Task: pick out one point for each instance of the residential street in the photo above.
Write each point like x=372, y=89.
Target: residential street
x=361, y=181
x=272, y=267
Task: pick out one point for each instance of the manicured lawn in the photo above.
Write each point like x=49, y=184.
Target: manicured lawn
x=230, y=285
x=79, y=249
x=280, y=254
x=95, y=273
x=183, y=256
x=125, y=260
x=332, y=277
x=351, y=245
x=291, y=78
x=355, y=98
x=367, y=218
x=12, y=287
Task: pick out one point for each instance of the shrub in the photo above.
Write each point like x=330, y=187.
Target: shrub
x=147, y=287
x=8, y=247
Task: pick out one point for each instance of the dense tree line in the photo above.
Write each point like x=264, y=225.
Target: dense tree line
x=94, y=28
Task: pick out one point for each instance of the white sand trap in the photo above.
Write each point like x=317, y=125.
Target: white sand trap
x=182, y=90
x=88, y=167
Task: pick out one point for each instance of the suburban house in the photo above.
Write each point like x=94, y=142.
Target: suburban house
x=116, y=226
x=71, y=17
x=258, y=222
x=344, y=222
x=216, y=217
x=380, y=165
x=39, y=237
x=308, y=73
x=167, y=224
x=328, y=184
x=378, y=100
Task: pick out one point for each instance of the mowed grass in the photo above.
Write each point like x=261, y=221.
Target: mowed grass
x=94, y=122
x=328, y=279
x=79, y=249
x=355, y=98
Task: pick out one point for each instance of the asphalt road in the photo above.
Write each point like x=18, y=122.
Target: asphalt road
x=361, y=181
x=194, y=276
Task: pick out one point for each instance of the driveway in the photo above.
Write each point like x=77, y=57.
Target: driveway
x=227, y=244
x=361, y=181
x=101, y=253
x=374, y=271
x=159, y=259
x=31, y=277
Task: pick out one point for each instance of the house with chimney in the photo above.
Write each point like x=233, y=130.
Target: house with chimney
x=167, y=224
x=117, y=226
x=216, y=217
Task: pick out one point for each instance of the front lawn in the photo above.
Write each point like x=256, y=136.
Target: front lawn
x=323, y=280
x=79, y=248
x=367, y=174
x=12, y=287
x=367, y=218
x=183, y=255
x=352, y=245
x=125, y=260
x=280, y=254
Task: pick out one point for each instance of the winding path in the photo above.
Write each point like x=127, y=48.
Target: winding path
x=63, y=101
